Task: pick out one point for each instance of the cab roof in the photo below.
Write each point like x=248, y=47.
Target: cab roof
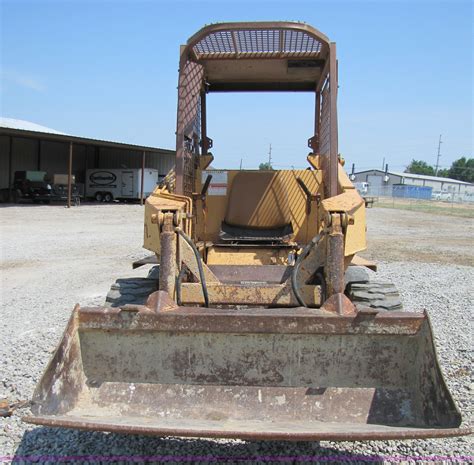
x=259, y=55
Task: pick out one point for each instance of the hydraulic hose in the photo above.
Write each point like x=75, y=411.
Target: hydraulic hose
x=305, y=252
x=202, y=277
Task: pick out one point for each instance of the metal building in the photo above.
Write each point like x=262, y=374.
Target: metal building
x=27, y=146
x=381, y=182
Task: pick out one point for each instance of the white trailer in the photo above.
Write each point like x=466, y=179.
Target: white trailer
x=105, y=185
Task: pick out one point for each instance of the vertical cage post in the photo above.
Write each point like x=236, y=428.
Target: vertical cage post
x=142, y=177
x=333, y=150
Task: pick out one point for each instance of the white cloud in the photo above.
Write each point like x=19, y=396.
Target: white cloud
x=23, y=80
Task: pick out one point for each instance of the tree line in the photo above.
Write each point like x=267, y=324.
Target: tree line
x=461, y=169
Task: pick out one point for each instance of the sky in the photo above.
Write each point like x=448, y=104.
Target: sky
x=109, y=69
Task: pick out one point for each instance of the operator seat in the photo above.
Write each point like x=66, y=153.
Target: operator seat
x=257, y=210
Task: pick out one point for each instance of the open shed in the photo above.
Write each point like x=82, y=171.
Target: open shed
x=26, y=146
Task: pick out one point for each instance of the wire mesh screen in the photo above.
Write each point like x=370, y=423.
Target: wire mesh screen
x=262, y=43
x=325, y=121
x=300, y=42
x=188, y=126
x=217, y=42
x=258, y=41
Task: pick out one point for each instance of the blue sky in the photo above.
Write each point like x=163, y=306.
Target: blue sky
x=108, y=70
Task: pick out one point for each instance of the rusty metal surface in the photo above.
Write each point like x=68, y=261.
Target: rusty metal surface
x=253, y=373
x=248, y=320
x=188, y=128
x=334, y=188
x=261, y=431
x=250, y=293
x=334, y=263
x=340, y=305
x=168, y=265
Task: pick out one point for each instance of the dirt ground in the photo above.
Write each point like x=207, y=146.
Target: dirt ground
x=399, y=235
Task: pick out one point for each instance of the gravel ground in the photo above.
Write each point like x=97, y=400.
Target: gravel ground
x=53, y=257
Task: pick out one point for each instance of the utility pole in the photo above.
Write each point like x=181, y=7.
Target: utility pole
x=439, y=154
x=270, y=156
x=383, y=163
x=240, y=164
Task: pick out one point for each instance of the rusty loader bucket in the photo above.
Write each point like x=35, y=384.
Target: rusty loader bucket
x=291, y=374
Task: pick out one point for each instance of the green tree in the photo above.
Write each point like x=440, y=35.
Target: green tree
x=265, y=166
x=462, y=169
x=420, y=167
x=444, y=173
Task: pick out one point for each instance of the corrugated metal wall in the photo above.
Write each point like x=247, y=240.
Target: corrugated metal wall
x=53, y=157
x=116, y=158
x=161, y=161
x=24, y=154
x=4, y=150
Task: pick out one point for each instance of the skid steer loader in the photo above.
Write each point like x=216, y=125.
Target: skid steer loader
x=260, y=321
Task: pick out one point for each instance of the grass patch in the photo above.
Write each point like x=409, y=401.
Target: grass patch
x=436, y=208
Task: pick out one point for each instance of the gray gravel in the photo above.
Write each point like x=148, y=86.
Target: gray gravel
x=53, y=257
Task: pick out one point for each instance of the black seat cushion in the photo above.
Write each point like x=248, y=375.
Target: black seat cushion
x=239, y=234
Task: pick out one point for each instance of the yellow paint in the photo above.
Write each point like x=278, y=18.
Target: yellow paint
x=283, y=197
x=161, y=200
x=247, y=256
x=304, y=227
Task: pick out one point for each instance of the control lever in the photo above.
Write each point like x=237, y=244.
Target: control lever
x=205, y=186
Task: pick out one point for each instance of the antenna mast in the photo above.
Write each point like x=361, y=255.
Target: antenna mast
x=439, y=154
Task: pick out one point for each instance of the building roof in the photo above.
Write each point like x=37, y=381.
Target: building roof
x=21, y=128
x=23, y=125
x=418, y=176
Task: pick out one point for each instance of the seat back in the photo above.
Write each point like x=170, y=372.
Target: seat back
x=258, y=200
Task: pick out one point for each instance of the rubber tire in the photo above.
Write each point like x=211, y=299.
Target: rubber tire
x=132, y=291
x=108, y=197
x=382, y=296
x=16, y=196
x=99, y=197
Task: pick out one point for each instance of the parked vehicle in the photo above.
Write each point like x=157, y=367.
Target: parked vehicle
x=60, y=189
x=442, y=195
x=362, y=187
x=363, y=190
x=106, y=185
x=31, y=185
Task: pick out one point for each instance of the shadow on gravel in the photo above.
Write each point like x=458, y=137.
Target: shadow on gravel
x=53, y=445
